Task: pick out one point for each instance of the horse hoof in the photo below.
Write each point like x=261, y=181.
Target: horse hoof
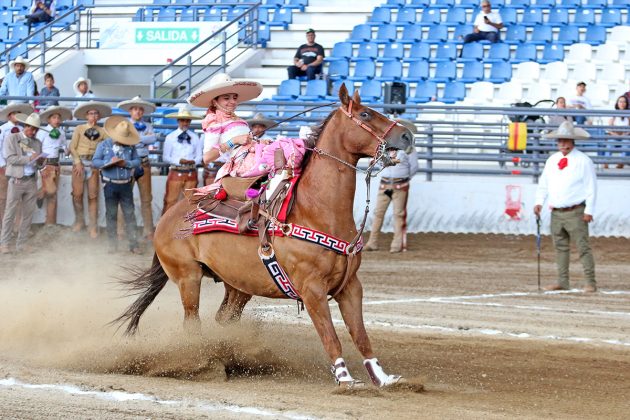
x=353, y=384
x=392, y=380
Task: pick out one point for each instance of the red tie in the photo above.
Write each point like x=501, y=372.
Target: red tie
x=563, y=163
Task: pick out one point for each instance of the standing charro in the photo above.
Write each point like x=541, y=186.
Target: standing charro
x=53, y=139
x=137, y=107
x=85, y=139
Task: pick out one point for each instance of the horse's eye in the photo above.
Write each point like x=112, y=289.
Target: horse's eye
x=365, y=115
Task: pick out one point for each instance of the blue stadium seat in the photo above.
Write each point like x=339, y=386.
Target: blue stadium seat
x=558, y=17
x=338, y=70
x=263, y=15
x=281, y=18
x=363, y=70
x=393, y=52
x=552, y=52
x=430, y=17
x=473, y=4
x=213, y=14
x=420, y=51
x=542, y=34
x=18, y=33
x=20, y=51
x=453, y=92
x=610, y=18
x=509, y=17
x=272, y=4
x=315, y=90
x=405, y=16
x=473, y=72
x=139, y=16
x=411, y=34
x=532, y=17
x=445, y=52
x=516, y=34
x=360, y=33
x=334, y=92
x=437, y=34
x=385, y=34
x=525, y=52
x=370, y=91
x=188, y=15
x=425, y=92
x=394, y=4
x=289, y=89
x=19, y=5
x=6, y=17
x=442, y=4
x=517, y=4
x=166, y=15
x=500, y=72
x=543, y=4
x=297, y=4
x=64, y=4
x=445, y=71
x=419, y=4
x=595, y=4
x=620, y=4
x=179, y=4
x=418, y=70
x=380, y=16
x=367, y=51
x=391, y=71
x=471, y=52
x=498, y=53
x=595, y=35
x=4, y=34
x=66, y=21
x=569, y=4
x=460, y=33
x=584, y=17
x=264, y=35
x=340, y=51
x=569, y=35
x=455, y=16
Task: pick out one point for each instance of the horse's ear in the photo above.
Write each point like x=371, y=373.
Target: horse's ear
x=343, y=94
x=356, y=98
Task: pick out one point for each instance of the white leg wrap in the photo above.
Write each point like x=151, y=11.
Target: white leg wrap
x=341, y=372
x=377, y=375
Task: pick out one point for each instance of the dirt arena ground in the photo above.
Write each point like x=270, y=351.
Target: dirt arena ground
x=458, y=313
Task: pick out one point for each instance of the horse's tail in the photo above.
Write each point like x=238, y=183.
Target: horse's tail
x=146, y=285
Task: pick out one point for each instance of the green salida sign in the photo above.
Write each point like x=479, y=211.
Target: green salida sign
x=167, y=35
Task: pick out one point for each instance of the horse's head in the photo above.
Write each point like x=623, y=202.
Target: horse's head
x=370, y=133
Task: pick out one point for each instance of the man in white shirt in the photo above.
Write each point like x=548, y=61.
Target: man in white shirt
x=183, y=150
x=486, y=26
x=579, y=101
x=569, y=185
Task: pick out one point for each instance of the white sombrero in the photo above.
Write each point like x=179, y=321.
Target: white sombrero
x=121, y=130
x=65, y=113
x=20, y=60
x=260, y=119
x=222, y=84
x=139, y=102
x=81, y=111
x=566, y=130
x=183, y=113
x=408, y=125
x=33, y=120
x=15, y=107
x=80, y=80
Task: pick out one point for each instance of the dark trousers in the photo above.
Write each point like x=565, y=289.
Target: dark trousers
x=481, y=36
x=38, y=16
x=120, y=194
x=310, y=73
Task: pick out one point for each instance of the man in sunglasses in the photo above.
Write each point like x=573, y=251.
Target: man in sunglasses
x=82, y=147
x=12, y=126
x=486, y=26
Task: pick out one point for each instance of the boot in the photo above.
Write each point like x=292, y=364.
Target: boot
x=79, y=221
x=93, y=214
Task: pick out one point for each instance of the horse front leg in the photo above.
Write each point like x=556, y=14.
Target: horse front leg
x=350, y=301
x=316, y=304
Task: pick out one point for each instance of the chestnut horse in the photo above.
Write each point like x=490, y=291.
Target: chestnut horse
x=324, y=199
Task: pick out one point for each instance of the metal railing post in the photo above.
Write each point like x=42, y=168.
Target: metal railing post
x=429, y=175
x=189, y=81
x=224, y=49
x=78, y=29
x=43, y=55
x=536, y=156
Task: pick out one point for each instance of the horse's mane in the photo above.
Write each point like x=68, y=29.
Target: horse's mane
x=313, y=138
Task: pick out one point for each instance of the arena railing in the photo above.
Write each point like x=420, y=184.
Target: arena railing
x=451, y=139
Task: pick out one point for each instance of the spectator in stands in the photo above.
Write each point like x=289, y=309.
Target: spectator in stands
x=556, y=119
x=308, y=59
x=183, y=150
x=486, y=26
x=18, y=82
x=53, y=140
x=82, y=88
x=8, y=114
x=117, y=158
x=41, y=11
x=23, y=154
x=580, y=102
x=137, y=107
x=623, y=122
x=569, y=185
x=49, y=90
x=258, y=126
x=85, y=138
x=394, y=188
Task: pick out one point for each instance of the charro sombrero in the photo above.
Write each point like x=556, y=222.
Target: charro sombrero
x=139, y=102
x=566, y=130
x=408, y=125
x=121, y=130
x=80, y=80
x=81, y=111
x=20, y=60
x=222, y=84
x=33, y=120
x=15, y=107
x=260, y=119
x=65, y=113
x=183, y=113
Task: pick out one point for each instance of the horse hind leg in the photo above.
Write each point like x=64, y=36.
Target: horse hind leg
x=232, y=306
x=187, y=275
x=351, y=307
